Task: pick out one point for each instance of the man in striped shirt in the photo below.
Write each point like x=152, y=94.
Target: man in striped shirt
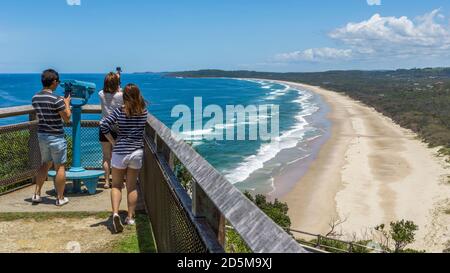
x=51, y=110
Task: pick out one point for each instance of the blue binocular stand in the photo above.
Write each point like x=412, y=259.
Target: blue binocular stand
x=80, y=93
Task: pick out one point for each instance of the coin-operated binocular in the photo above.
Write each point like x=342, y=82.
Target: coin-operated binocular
x=79, y=91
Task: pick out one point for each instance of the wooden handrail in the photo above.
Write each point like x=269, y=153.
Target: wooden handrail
x=28, y=109
x=259, y=232
x=351, y=245
x=16, y=111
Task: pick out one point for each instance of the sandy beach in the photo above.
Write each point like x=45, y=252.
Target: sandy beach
x=372, y=171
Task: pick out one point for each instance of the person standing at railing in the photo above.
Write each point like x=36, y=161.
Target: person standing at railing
x=111, y=98
x=51, y=110
x=127, y=150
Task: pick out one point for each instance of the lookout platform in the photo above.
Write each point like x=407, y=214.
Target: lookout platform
x=188, y=213
x=20, y=200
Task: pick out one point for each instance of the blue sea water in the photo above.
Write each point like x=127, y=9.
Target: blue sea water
x=250, y=165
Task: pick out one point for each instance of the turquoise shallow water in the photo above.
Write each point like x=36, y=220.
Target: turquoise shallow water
x=250, y=165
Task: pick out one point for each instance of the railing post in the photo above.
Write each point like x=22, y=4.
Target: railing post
x=350, y=248
x=318, y=241
x=33, y=145
x=203, y=207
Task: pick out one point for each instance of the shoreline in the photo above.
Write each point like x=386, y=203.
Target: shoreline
x=304, y=137
x=371, y=171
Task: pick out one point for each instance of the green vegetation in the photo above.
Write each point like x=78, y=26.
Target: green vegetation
x=336, y=246
x=69, y=151
x=45, y=216
x=135, y=239
x=10, y=187
x=183, y=176
x=402, y=233
x=447, y=250
x=417, y=99
x=17, y=158
x=14, y=152
x=235, y=243
x=276, y=210
x=139, y=240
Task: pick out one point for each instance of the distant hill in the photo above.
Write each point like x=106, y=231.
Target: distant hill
x=418, y=99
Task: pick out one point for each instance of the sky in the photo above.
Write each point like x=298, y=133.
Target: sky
x=87, y=36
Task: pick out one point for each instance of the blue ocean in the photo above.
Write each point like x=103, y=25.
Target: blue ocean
x=251, y=165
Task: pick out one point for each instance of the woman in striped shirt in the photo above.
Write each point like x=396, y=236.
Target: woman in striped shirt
x=127, y=152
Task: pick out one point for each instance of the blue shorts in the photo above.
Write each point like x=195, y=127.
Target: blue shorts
x=53, y=148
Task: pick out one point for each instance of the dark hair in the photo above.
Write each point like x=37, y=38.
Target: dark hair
x=111, y=83
x=48, y=77
x=134, y=103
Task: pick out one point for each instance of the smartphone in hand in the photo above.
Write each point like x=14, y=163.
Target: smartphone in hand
x=67, y=94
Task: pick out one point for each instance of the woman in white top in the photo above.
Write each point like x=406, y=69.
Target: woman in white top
x=111, y=98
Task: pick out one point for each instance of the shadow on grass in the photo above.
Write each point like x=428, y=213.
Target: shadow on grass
x=136, y=239
x=144, y=234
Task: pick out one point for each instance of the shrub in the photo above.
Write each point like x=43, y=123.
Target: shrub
x=277, y=211
x=15, y=155
x=14, y=152
x=403, y=233
x=234, y=243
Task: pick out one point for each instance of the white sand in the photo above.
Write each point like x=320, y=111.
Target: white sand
x=372, y=171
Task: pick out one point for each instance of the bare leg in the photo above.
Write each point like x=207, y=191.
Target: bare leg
x=107, y=154
x=41, y=177
x=116, y=191
x=132, y=196
x=60, y=180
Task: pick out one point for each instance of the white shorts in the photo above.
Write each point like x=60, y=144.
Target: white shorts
x=133, y=160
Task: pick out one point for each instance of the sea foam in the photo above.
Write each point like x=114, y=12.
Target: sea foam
x=287, y=140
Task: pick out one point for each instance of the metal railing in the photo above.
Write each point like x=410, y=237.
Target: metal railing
x=20, y=157
x=19, y=153
x=181, y=222
x=333, y=245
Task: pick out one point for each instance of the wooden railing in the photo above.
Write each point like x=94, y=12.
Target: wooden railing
x=329, y=244
x=214, y=200
x=182, y=223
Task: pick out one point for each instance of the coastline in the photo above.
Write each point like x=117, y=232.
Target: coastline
x=371, y=171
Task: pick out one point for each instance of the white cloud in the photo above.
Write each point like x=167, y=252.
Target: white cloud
x=374, y=2
x=396, y=35
x=383, y=37
x=74, y=2
x=314, y=55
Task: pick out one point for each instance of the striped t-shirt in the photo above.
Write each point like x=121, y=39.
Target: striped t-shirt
x=47, y=106
x=131, y=130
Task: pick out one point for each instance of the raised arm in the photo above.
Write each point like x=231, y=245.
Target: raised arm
x=63, y=108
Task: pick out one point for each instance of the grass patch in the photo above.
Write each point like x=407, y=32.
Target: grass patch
x=44, y=216
x=134, y=239
x=138, y=239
